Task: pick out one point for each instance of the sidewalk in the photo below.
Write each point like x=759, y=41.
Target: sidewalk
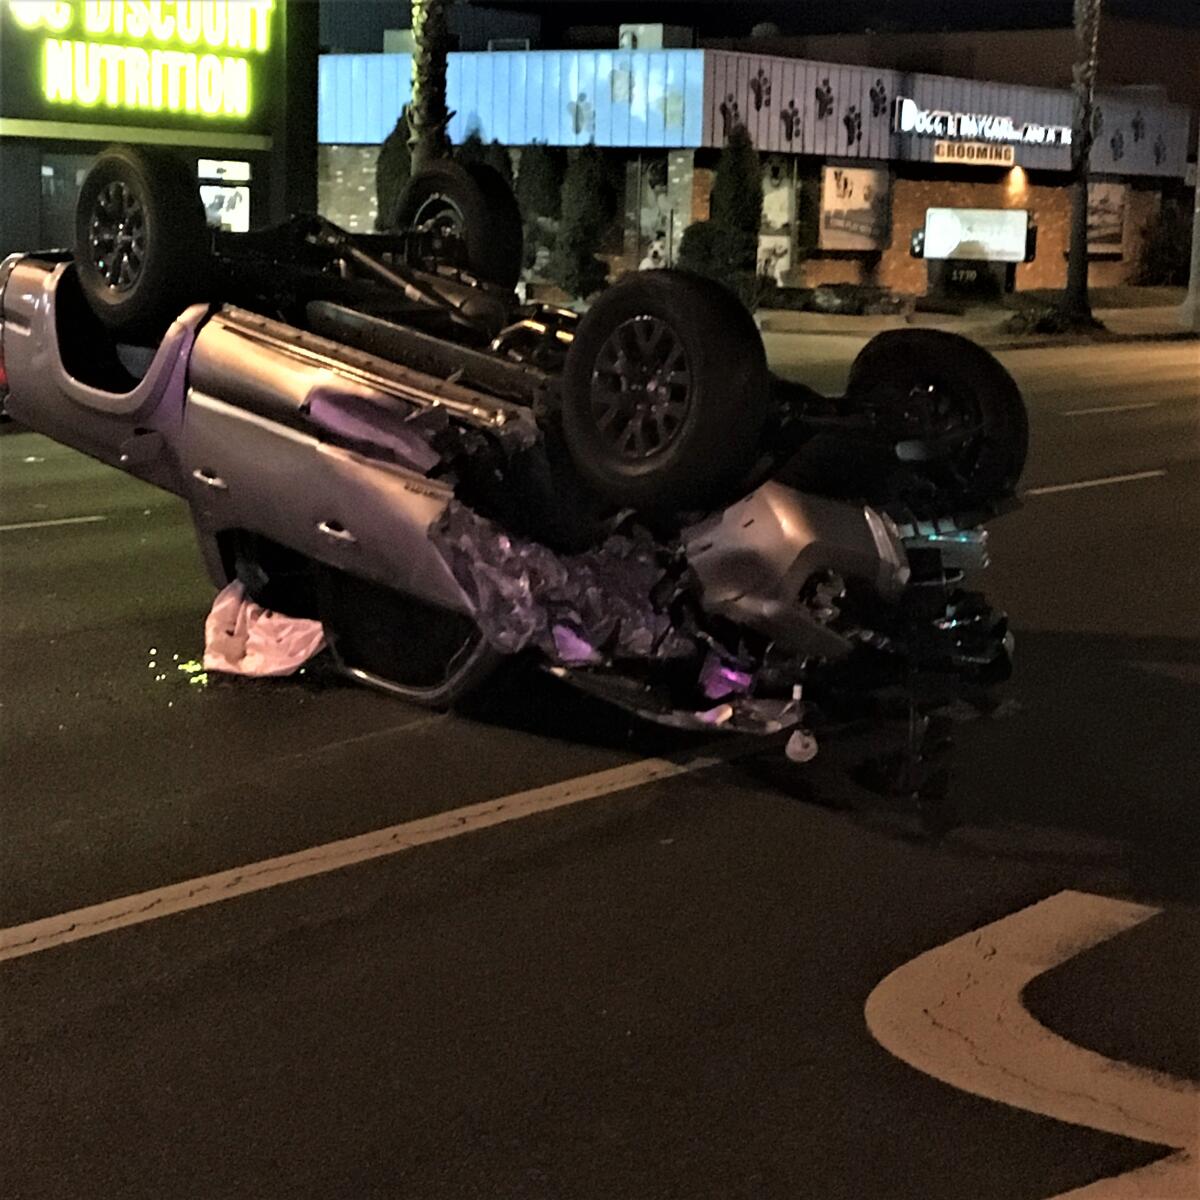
x=985, y=324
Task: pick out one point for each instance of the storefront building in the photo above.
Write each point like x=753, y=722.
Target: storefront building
x=228, y=85
x=860, y=164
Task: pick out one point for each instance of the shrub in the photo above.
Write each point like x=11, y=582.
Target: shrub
x=585, y=208
x=1167, y=249
x=497, y=157
x=737, y=195
x=539, y=196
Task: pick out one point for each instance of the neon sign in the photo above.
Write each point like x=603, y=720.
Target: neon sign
x=911, y=118
x=180, y=56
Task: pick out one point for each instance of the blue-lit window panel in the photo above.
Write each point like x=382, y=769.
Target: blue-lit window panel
x=554, y=113
x=607, y=84
x=359, y=70
x=486, y=100
x=620, y=92
x=656, y=97
x=325, y=109
x=345, y=102
x=639, y=100
x=395, y=90
x=518, y=83
x=710, y=124
x=535, y=77
x=695, y=66
x=584, y=117
x=502, y=99
x=458, y=70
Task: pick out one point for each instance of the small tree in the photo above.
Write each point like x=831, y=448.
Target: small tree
x=573, y=263
x=392, y=171
x=539, y=196
x=470, y=150
x=496, y=156
x=737, y=195
x=539, y=182
x=725, y=247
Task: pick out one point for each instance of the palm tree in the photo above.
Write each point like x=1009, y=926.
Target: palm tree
x=429, y=115
x=1087, y=38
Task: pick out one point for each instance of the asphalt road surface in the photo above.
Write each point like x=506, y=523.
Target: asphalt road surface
x=656, y=991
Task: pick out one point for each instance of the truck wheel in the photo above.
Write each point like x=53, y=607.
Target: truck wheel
x=140, y=240
x=474, y=204
x=665, y=392
x=948, y=395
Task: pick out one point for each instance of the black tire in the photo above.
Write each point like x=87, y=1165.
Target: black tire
x=141, y=244
x=479, y=207
x=665, y=392
x=942, y=386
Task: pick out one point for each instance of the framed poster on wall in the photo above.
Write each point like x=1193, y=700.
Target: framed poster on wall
x=1106, y=218
x=856, y=208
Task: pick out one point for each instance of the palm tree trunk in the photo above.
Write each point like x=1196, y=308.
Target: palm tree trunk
x=429, y=115
x=1087, y=40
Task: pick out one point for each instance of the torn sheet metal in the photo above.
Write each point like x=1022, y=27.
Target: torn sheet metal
x=576, y=609
x=359, y=419
x=243, y=638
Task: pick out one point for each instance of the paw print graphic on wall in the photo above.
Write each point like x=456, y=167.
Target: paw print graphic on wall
x=731, y=114
x=760, y=89
x=1117, y=142
x=1139, y=127
x=853, y=123
x=583, y=114
x=621, y=85
x=879, y=99
x=824, y=98
x=790, y=116
x=1160, y=150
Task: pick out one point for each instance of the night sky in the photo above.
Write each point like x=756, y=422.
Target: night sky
x=813, y=16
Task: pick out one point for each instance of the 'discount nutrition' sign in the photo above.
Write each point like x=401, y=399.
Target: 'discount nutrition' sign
x=189, y=57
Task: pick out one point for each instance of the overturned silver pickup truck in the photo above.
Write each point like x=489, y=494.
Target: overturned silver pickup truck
x=373, y=431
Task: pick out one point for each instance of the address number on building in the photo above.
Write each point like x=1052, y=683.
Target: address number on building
x=975, y=154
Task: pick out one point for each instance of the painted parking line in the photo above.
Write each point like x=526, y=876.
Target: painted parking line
x=1107, y=481
x=1110, y=408
x=955, y=1013
x=50, y=524
x=46, y=933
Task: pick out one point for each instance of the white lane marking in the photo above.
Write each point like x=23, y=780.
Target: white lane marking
x=33, y=936
x=1091, y=483
x=49, y=524
x=955, y=1013
x=1109, y=408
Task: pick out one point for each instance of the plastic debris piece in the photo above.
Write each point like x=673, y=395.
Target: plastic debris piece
x=522, y=592
x=243, y=638
x=571, y=648
x=718, y=679
x=801, y=747
x=721, y=715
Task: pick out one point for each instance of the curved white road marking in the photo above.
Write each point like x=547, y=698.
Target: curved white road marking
x=955, y=1013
